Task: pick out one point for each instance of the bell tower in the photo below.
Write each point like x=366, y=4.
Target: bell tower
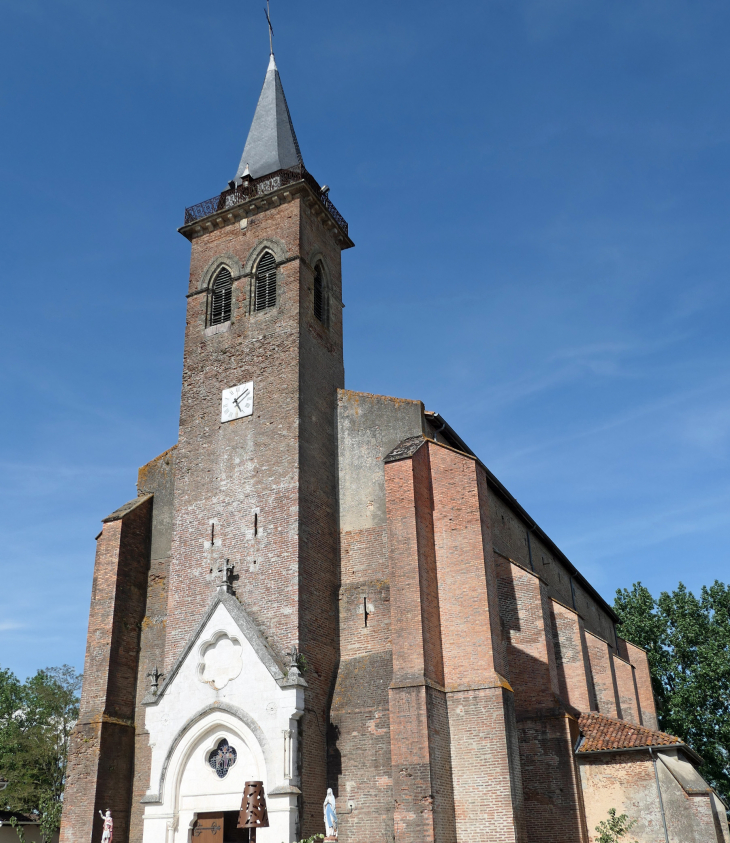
x=255, y=465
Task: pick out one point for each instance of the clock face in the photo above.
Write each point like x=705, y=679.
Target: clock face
x=237, y=402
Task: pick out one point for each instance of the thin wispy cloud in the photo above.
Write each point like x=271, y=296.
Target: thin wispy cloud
x=653, y=528
x=658, y=407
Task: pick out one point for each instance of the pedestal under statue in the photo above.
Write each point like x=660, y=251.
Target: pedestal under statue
x=330, y=816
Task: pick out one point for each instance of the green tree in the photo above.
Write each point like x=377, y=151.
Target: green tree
x=614, y=828
x=687, y=639
x=36, y=718
x=19, y=830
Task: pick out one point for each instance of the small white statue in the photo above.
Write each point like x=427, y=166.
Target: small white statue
x=106, y=836
x=330, y=815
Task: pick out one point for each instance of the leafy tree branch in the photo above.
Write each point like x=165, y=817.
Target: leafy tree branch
x=36, y=719
x=687, y=640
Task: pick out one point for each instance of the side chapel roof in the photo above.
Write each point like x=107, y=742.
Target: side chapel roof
x=603, y=734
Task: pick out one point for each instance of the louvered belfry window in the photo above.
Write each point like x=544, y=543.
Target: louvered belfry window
x=320, y=297
x=220, y=300
x=265, y=282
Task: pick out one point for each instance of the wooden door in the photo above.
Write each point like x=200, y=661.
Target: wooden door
x=208, y=828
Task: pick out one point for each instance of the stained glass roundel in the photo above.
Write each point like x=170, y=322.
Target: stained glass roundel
x=222, y=758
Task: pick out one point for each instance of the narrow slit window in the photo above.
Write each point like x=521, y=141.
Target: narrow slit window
x=266, y=282
x=221, y=295
x=320, y=296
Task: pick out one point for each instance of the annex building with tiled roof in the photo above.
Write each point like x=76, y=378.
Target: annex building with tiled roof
x=318, y=588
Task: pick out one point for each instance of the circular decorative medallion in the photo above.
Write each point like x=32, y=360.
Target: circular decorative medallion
x=222, y=758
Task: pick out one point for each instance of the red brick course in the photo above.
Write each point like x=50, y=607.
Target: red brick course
x=525, y=611
x=628, y=694
x=486, y=793
x=637, y=657
x=101, y=754
x=417, y=653
x=604, y=680
x=571, y=657
x=157, y=478
x=553, y=799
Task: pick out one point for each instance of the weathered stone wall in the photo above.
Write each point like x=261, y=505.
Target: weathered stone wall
x=360, y=766
x=627, y=782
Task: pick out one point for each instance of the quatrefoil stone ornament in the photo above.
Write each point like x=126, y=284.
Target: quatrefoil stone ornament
x=220, y=661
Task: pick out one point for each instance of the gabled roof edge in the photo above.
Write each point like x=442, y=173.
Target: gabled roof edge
x=128, y=507
x=244, y=623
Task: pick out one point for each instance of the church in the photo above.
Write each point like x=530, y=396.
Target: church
x=319, y=588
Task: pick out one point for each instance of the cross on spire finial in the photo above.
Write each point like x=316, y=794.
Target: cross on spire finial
x=271, y=28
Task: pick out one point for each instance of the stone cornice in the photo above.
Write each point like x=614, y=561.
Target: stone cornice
x=259, y=204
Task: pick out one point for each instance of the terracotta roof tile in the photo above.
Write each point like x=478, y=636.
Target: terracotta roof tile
x=603, y=733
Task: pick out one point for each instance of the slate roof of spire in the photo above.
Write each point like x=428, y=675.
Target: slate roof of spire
x=271, y=144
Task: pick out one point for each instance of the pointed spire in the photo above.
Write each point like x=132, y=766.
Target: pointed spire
x=271, y=144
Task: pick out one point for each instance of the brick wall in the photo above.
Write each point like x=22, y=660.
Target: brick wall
x=637, y=657
x=628, y=695
x=458, y=776
x=602, y=674
x=157, y=478
x=321, y=374
x=624, y=781
x=571, y=657
x=514, y=539
x=417, y=653
x=277, y=466
x=627, y=782
x=360, y=768
x=525, y=611
x=474, y=652
x=552, y=797
x=101, y=754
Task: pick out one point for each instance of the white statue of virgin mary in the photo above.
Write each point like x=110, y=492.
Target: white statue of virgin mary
x=108, y=831
x=330, y=815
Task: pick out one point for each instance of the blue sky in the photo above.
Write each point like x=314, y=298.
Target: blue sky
x=539, y=194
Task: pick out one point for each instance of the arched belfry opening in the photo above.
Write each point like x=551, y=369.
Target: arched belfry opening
x=221, y=296
x=321, y=299
x=265, y=294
